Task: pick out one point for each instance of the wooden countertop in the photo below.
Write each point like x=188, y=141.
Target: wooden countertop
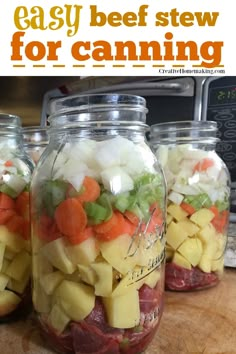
x=195, y=322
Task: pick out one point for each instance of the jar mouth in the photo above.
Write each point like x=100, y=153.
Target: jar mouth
x=35, y=135
x=93, y=102
x=10, y=124
x=184, y=132
x=99, y=111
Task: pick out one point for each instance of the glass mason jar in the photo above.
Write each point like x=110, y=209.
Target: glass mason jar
x=198, y=185
x=35, y=141
x=15, y=254
x=98, y=207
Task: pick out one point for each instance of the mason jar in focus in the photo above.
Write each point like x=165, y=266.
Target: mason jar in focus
x=15, y=252
x=98, y=218
x=198, y=185
x=35, y=141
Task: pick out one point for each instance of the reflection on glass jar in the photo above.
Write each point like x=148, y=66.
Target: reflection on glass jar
x=15, y=253
x=98, y=207
x=198, y=203
x=35, y=141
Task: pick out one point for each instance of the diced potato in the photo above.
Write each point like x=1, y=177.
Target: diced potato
x=169, y=218
x=189, y=227
x=129, y=281
x=50, y=282
x=2, y=252
x=179, y=260
x=115, y=252
x=9, y=254
x=123, y=311
x=103, y=285
x=37, y=244
x=20, y=286
x=75, y=276
x=41, y=301
x=41, y=265
x=13, y=241
x=202, y=217
x=4, y=279
x=152, y=279
x=191, y=249
x=175, y=235
x=87, y=274
x=55, y=252
x=19, y=266
x=58, y=319
x=8, y=302
x=5, y=265
x=210, y=249
x=177, y=212
x=169, y=251
x=76, y=299
x=83, y=253
x=221, y=241
x=148, y=252
x=218, y=265
x=207, y=234
x=205, y=263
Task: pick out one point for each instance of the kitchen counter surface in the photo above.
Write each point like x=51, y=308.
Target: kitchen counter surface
x=194, y=322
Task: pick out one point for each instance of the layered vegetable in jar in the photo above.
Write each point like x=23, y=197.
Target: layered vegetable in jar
x=98, y=207
x=15, y=251
x=198, y=203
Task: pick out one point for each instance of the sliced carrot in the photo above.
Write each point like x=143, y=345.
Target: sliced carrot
x=15, y=224
x=26, y=230
x=91, y=190
x=22, y=205
x=106, y=226
x=5, y=215
x=8, y=163
x=130, y=227
x=188, y=208
x=6, y=202
x=132, y=217
x=215, y=210
x=82, y=236
x=47, y=229
x=221, y=221
x=203, y=165
x=119, y=228
x=156, y=218
x=70, y=217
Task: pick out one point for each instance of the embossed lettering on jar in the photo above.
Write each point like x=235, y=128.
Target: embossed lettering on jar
x=15, y=252
x=198, y=185
x=98, y=207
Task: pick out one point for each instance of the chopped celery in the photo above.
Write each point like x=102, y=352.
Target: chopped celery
x=198, y=201
x=146, y=179
x=105, y=201
x=144, y=207
x=95, y=211
x=137, y=211
x=122, y=202
x=222, y=205
x=4, y=188
x=54, y=192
